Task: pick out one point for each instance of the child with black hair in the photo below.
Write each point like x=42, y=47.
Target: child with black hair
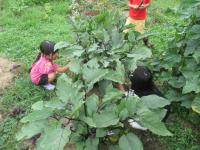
x=43, y=71
x=142, y=84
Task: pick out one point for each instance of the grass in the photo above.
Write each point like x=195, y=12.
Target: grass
x=21, y=31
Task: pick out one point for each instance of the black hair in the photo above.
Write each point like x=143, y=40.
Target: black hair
x=143, y=85
x=46, y=48
x=142, y=82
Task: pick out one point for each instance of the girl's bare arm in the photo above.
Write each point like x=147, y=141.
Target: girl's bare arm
x=62, y=69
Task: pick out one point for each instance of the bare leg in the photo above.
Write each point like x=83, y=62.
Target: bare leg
x=51, y=77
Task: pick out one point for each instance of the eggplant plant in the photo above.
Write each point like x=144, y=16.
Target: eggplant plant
x=89, y=110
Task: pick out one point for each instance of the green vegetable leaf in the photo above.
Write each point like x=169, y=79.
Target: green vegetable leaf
x=92, y=104
x=116, y=38
x=154, y=101
x=93, y=75
x=177, y=82
x=131, y=104
x=123, y=114
x=54, y=138
x=130, y=142
x=140, y=53
x=196, y=105
x=112, y=94
x=151, y=121
x=60, y=45
x=92, y=144
x=69, y=93
x=37, y=115
x=192, y=84
x=102, y=120
x=38, y=105
x=117, y=75
x=55, y=104
x=105, y=119
x=75, y=66
x=31, y=129
x=101, y=132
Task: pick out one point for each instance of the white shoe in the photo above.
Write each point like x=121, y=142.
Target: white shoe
x=109, y=133
x=136, y=125
x=49, y=86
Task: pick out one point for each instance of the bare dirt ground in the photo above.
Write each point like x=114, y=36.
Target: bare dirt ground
x=8, y=70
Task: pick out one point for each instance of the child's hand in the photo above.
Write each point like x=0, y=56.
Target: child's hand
x=62, y=69
x=134, y=6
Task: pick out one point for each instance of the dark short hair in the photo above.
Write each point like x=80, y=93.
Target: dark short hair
x=141, y=77
x=47, y=47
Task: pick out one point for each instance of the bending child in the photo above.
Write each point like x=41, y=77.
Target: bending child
x=43, y=71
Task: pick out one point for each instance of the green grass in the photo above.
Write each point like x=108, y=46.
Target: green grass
x=23, y=33
x=186, y=135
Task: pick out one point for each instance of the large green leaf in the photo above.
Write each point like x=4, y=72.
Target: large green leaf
x=102, y=120
x=131, y=104
x=131, y=64
x=92, y=104
x=177, y=82
x=112, y=94
x=93, y=75
x=153, y=122
x=91, y=144
x=69, y=93
x=195, y=28
x=123, y=114
x=101, y=132
x=60, y=45
x=117, y=75
x=31, y=129
x=105, y=119
x=196, y=105
x=159, y=113
x=55, y=104
x=37, y=115
x=154, y=101
x=116, y=37
x=93, y=63
x=196, y=55
x=130, y=142
x=75, y=66
x=89, y=121
x=169, y=60
x=192, y=84
x=140, y=53
x=64, y=88
x=93, y=47
x=145, y=35
x=38, y=105
x=54, y=138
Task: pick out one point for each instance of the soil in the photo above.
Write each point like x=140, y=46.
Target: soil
x=8, y=70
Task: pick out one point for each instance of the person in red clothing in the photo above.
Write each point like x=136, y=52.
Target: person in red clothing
x=137, y=14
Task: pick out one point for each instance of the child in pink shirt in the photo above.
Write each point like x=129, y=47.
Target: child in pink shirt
x=43, y=70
